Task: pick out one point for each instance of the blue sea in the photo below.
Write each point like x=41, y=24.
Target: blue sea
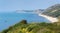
x=9, y=19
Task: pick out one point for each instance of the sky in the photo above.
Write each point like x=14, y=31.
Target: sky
x=12, y=5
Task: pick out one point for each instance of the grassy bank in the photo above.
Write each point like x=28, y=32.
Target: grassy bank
x=24, y=27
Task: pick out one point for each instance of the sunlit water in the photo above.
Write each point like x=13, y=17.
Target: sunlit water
x=9, y=19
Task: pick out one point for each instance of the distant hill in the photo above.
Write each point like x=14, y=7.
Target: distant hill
x=29, y=11
x=53, y=11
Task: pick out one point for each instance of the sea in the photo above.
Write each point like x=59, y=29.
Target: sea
x=9, y=19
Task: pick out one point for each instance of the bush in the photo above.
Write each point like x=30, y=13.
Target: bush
x=23, y=22
x=5, y=31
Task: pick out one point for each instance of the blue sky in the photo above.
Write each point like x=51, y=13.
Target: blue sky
x=12, y=5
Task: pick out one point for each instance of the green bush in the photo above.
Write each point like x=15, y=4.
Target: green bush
x=23, y=22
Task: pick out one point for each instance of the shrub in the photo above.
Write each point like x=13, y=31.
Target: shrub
x=23, y=22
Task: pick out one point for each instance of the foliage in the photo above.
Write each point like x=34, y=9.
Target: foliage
x=23, y=22
x=24, y=27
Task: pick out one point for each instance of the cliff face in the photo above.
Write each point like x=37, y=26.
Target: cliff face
x=53, y=11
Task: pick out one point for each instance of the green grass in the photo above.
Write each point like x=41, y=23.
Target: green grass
x=24, y=27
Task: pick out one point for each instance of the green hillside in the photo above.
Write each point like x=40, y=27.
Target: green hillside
x=24, y=27
x=53, y=11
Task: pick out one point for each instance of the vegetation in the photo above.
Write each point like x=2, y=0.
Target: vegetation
x=53, y=11
x=24, y=27
x=23, y=22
